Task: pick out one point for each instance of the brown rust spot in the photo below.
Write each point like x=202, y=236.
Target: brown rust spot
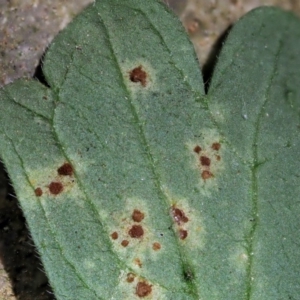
x=65, y=170
x=156, y=246
x=197, y=149
x=205, y=161
x=183, y=234
x=143, y=289
x=216, y=146
x=125, y=243
x=206, y=174
x=138, y=75
x=138, y=262
x=178, y=215
x=137, y=215
x=218, y=157
x=136, y=231
x=130, y=277
x=114, y=235
x=38, y=192
x=55, y=188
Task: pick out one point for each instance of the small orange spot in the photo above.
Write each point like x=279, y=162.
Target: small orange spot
x=138, y=262
x=206, y=174
x=114, y=235
x=55, y=188
x=156, y=246
x=193, y=26
x=65, y=170
x=216, y=146
x=38, y=192
x=125, y=243
x=197, y=149
x=183, y=234
x=143, y=289
x=137, y=216
x=138, y=75
x=130, y=277
x=205, y=161
x=136, y=231
x=179, y=216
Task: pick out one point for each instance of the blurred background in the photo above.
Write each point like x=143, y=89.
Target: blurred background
x=26, y=29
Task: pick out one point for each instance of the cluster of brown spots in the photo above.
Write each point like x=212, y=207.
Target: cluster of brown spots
x=180, y=218
x=65, y=170
x=114, y=235
x=125, y=243
x=38, y=192
x=136, y=231
x=206, y=159
x=178, y=215
x=143, y=289
x=55, y=188
x=130, y=277
x=156, y=246
x=137, y=216
x=138, y=75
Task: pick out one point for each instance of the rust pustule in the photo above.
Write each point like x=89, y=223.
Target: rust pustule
x=156, y=246
x=206, y=174
x=216, y=146
x=143, y=289
x=65, y=170
x=138, y=262
x=114, y=235
x=178, y=215
x=137, y=216
x=55, y=188
x=136, y=231
x=197, y=149
x=125, y=243
x=130, y=277
x=183, y=234
x=138, y=75
x=205, y=161
x=38, y=192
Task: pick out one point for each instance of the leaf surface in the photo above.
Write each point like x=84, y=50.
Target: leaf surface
x=135, y=184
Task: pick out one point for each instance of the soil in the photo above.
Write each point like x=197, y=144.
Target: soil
x=26, y=29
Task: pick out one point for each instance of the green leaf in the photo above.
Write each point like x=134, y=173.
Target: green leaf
x=135, y=184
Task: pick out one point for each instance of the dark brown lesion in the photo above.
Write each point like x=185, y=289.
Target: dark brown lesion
x=216, y=146
x=197, y=149
x=38, y=192
x=55, y=188
x=206, y=174
x=125, y=243
x=137, y=215
x=138, y=75
x=136, y=231
x=143, y=289
x=205, y=161
x=114, y=235
x=65, y=170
